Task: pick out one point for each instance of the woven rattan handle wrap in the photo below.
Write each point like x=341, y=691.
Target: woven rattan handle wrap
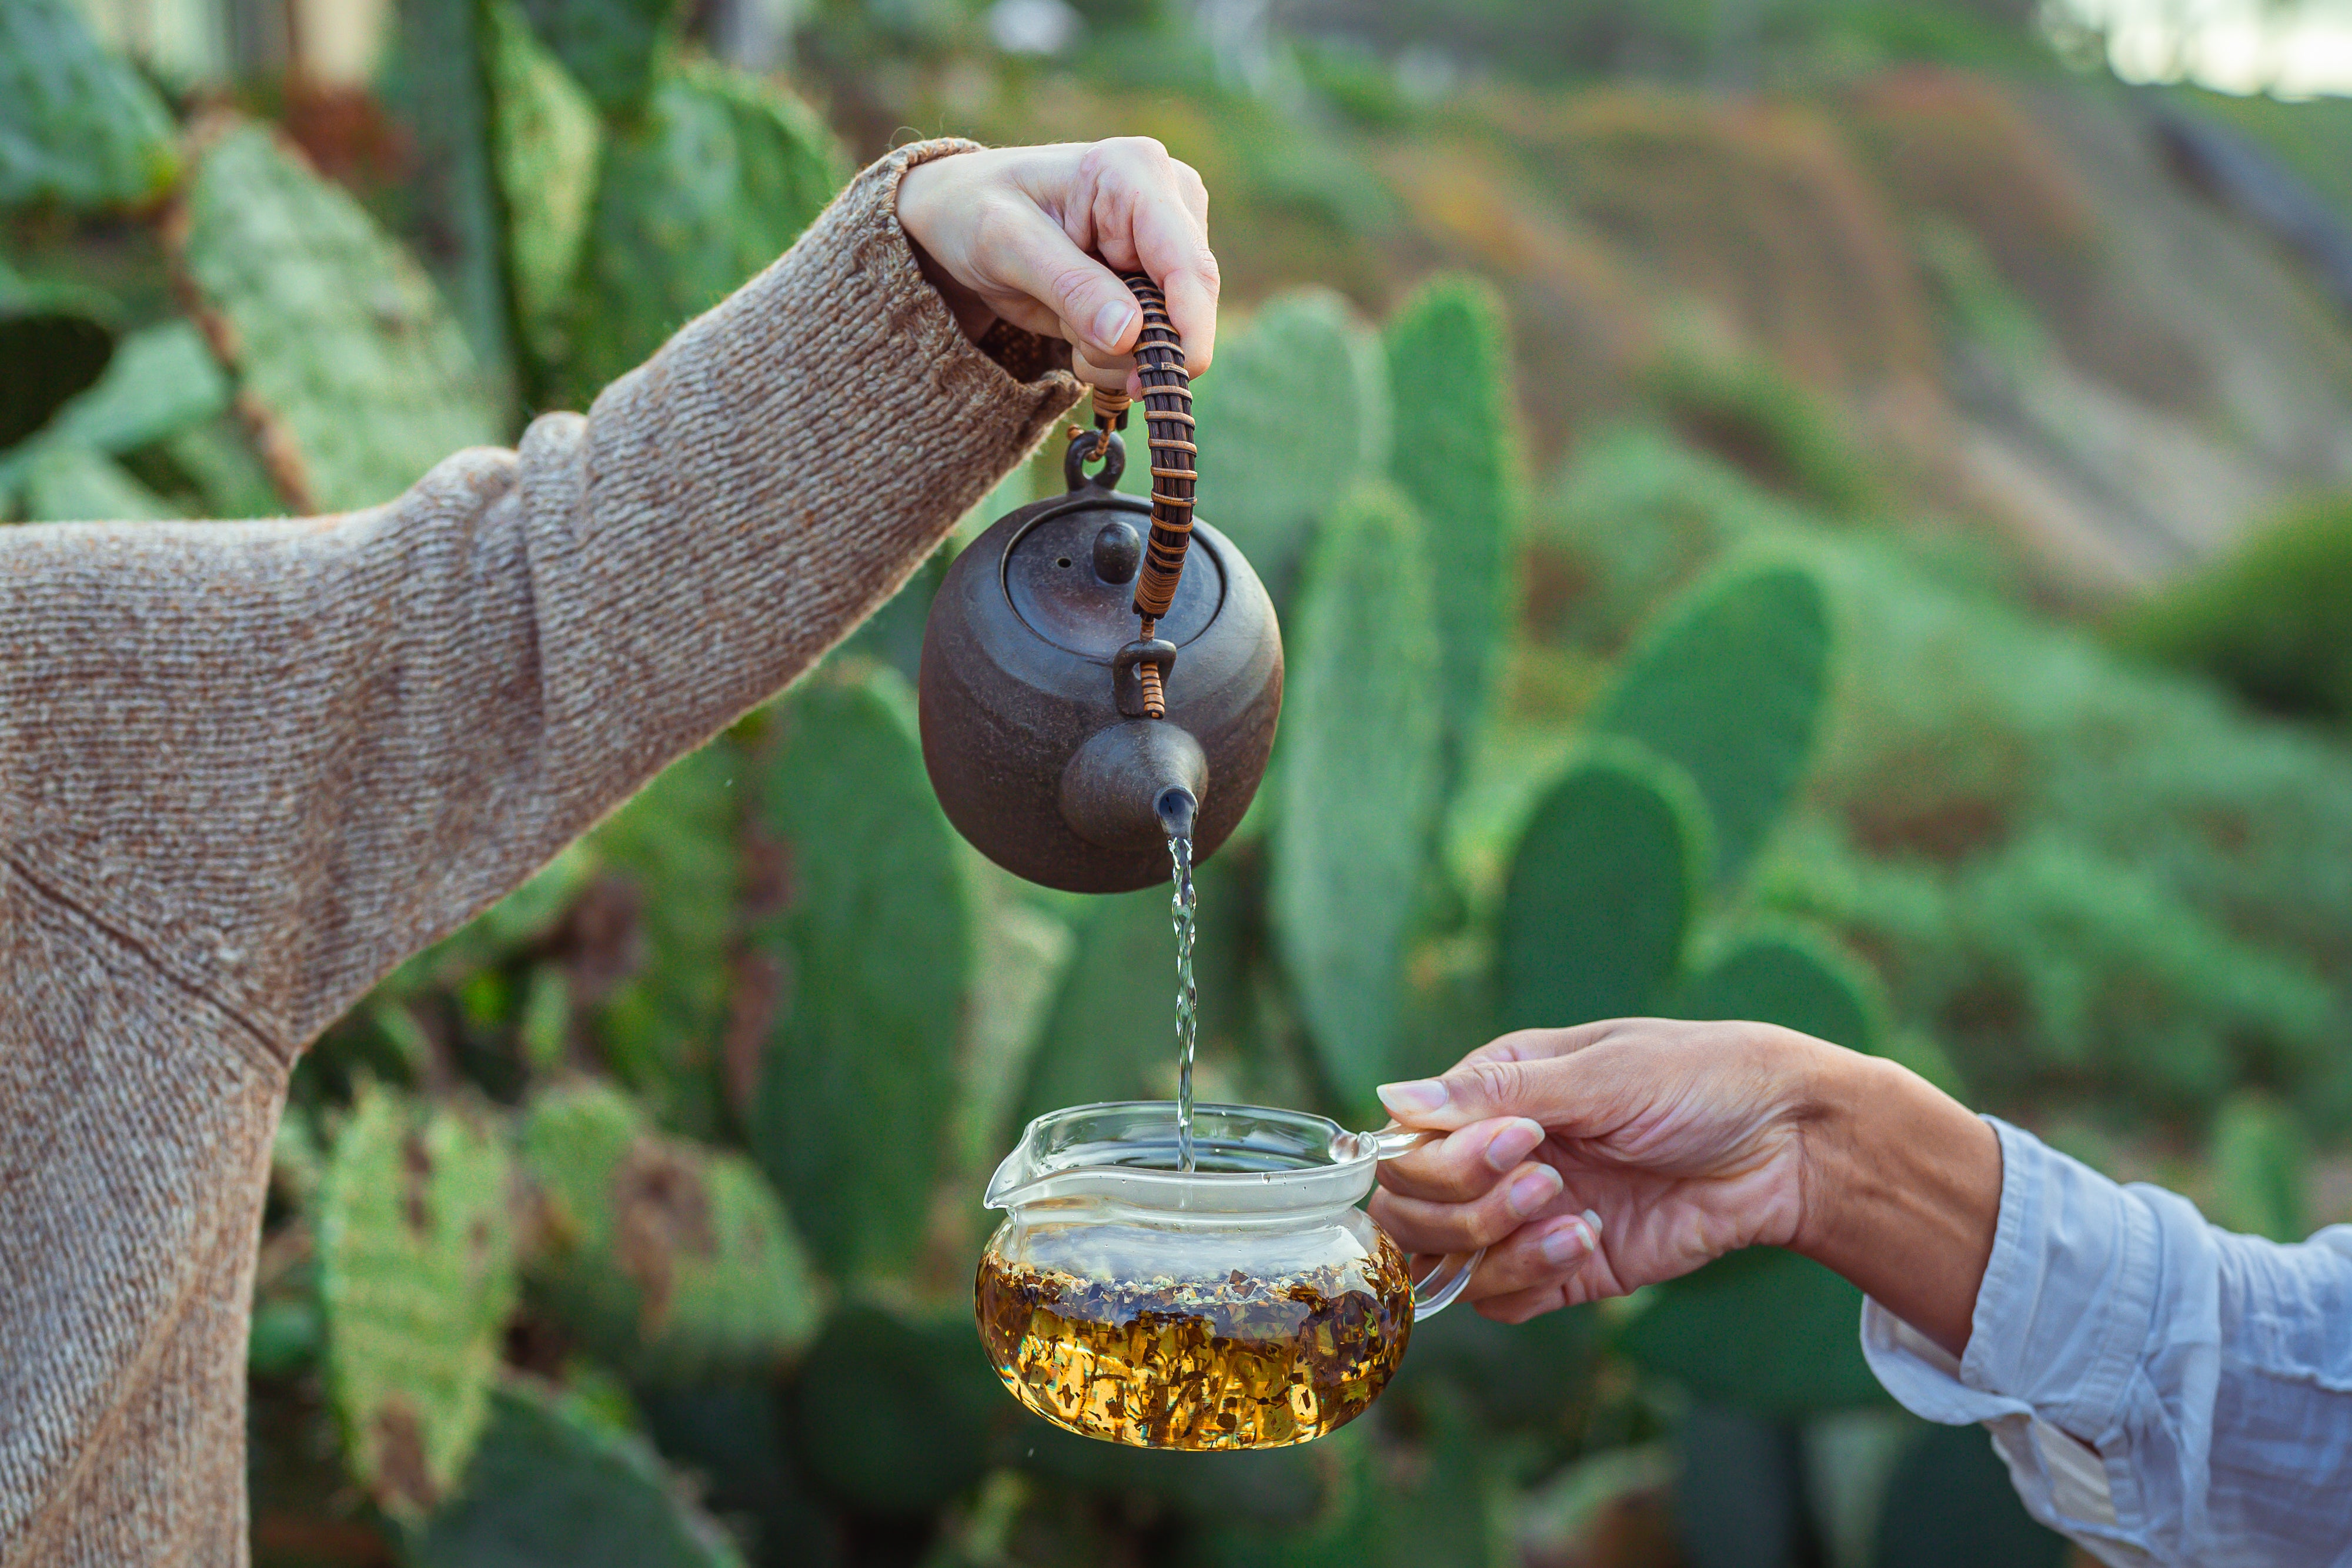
x=1168, y=419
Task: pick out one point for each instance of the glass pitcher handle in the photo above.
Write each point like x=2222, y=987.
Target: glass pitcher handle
x=1435, y=1291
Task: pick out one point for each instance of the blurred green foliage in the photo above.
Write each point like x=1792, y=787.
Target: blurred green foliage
x=634, y=1222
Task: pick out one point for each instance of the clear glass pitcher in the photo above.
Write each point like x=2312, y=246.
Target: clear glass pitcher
x=1247, y=1303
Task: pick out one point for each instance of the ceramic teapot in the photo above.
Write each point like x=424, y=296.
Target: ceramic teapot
x=1100, y=673
x=1246, y=1302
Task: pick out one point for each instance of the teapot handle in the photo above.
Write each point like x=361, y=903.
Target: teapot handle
x=1437, y=1290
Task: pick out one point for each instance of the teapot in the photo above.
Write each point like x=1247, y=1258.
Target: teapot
x=1245, y=1302
x=1098, y=675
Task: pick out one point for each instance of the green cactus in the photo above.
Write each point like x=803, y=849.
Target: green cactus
x=1729, y=686
x=551, y=1483
x=895, y=1415
x=1108, y=1035
x=1739, y=1490
x=1020, y=972
x=1790, y=975
x=2260, y=1167
x=1601, y=894
x=447, y=84
x=416, y=1276
x=718, y=178
x=672, y=1260
x=545, y=142
x=343, y=346
x=163, y=379
x=615, y=48
x=62, y=483
x=1359, y=779
x=677, y=849
x=1763, y=1329
x=1950, y=1504
x=78, y=125
x=1454, y=453
x=58, y=341
x=857, y=1084
x=1295, y=416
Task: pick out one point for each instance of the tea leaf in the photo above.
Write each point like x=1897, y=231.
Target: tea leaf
x=341, y=344
x=1358, y=776
x=1454, y=453
x=1729, y=686
x=78, y=125
x=858, y=1080
x=1295, y=417
x=416, y=1276
x=1601, y=894
x=673, y=1260
x=552, y=1484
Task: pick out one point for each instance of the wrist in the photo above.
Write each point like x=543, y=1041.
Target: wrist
x=1901, y=1191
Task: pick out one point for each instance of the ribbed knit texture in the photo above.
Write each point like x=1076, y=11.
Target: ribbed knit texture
x=248, y=767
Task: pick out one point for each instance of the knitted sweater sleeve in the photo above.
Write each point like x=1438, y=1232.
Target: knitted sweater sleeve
x=279, y=756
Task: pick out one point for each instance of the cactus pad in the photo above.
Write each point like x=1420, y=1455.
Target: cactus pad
x=875, y=944
x=1357, y=772
x=551, y=1484
x=1600, y=898
x=416, y=1276
x=1295, y=417
x=1453, y=452
x=78, y=125
x=1729, y=686
x=716, y=181
x=2260, y=1167
x=673, y=1260
x=1794, y=978
x=348, y=363
x=613, y=48
x=545, y=140
x=1763, y=1331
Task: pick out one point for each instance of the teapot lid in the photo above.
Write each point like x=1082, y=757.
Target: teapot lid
x=1251, y=1162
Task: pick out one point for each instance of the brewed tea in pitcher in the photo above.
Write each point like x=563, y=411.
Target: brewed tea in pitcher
x=1246, y=1302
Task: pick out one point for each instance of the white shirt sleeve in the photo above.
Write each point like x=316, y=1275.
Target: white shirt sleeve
x=2162, y=1390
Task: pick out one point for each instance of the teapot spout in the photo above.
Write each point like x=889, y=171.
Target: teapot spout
x=1135, y=784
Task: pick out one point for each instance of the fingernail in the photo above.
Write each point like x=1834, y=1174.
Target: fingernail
x=1565, y=1243
x=1110, y=323
x=1417, y=1098
x=1533, y=1191
x=1515, y=1143
x=1593, y=1221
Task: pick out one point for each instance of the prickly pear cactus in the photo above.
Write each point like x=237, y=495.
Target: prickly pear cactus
x=1295, y=417
x=1454, y=451
x=57, y=341
x=673, y=1260
x=1763, y=1331
x=1600, y=898
x=63, y=483
x=416, y=1276
x=78, y=125
x=349, y=365
x=613, y=48
x=1107, y=1037
x=2260, y=1167
x=163, y=379
x=553, y=1483
x=714, y=183
x=1793, y=977
x=896, y=1410
x=1358, y=776
x=545, y=140
x=1729, y=686
x=874, y=946
x=677, y=850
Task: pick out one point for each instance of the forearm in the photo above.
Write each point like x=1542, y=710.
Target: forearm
x=1902, y=1192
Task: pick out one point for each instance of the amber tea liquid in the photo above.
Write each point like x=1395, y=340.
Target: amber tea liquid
x=1242, y=1363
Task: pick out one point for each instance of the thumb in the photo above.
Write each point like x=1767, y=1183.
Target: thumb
x=1099, y=314
x=1477, y=1090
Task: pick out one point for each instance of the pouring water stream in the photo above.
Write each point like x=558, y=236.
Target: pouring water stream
x=1176, y=808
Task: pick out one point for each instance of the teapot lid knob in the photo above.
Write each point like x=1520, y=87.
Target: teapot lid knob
x=1118, y=551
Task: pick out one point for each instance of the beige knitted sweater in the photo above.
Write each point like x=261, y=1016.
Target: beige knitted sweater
x=246, y=767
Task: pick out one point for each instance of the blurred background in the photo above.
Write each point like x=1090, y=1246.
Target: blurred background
x=1837, y=511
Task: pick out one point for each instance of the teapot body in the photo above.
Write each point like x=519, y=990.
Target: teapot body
x=1248, y=1305
x=1028, y=744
